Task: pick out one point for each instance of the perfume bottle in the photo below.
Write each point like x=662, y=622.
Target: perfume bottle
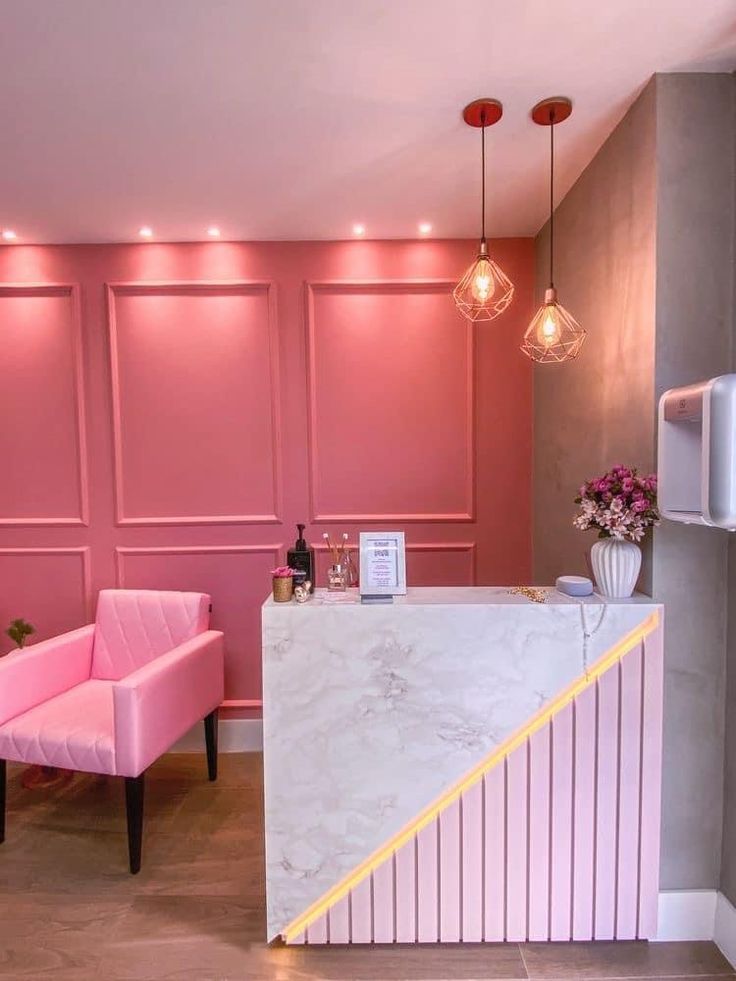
x=301, y=557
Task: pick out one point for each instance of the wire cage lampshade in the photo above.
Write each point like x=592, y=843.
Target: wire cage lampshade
x=553, y=335
x=484, y=291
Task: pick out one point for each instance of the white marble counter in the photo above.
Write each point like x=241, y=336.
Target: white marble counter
x=371, y=712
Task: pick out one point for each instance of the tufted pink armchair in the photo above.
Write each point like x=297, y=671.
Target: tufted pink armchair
x=113, y=696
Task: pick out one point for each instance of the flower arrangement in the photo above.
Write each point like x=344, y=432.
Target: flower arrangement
x=621, y=504
x=283, y=572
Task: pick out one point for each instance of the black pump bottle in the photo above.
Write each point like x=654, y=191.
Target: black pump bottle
x=301, y=556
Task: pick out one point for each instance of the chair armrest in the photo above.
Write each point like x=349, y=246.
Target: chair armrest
x=44, y=670
x=159, y=702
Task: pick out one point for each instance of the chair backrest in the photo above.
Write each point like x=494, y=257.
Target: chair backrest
x=134, y=626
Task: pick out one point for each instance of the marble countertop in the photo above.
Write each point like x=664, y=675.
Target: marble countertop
x=457, y=596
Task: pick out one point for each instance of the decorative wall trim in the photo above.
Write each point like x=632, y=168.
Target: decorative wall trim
x=84, y=554
x=122, y=550
x=72, y=291
x=399, y=286
x=686, y=914
x=214, y=287
x=469, y=547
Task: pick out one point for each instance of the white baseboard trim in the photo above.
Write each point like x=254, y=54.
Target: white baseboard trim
x=724, y=932
x=687, y=914
x=234, y=736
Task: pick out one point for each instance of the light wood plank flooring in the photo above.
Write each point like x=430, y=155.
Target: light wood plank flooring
x=70, y=910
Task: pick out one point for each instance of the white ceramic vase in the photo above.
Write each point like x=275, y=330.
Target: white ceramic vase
x=616, y=566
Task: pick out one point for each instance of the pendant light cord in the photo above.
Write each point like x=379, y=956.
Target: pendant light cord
x=551, y=197
x=483, y=174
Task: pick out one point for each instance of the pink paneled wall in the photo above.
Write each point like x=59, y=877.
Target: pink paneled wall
x=169, y=412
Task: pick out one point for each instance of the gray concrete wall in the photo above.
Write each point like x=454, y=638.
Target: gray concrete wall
x=645, y=247
x=695, y=229
x=598, y=410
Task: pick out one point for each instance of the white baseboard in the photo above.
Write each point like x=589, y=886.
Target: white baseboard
x=698, y=914
x=724, y=933
x=687, y=914
x=234, y=736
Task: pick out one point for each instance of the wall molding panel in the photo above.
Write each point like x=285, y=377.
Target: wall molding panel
x=206, y=288
x=122, y=551
x=395, y=287
x=83, y=553
x=71, y=292
x=186, y=404
x=463, y=548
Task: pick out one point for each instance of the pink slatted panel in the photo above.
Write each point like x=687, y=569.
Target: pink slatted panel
x=495, y=857
x=300, y=938
x=629, y=797
x=449, y=873
x=472, y=863
x=427, y=884
x=361, y=909
x=561, y=837
x=383, y=903
x=316, y=933
x=516, y=843
x=539, y=826
x=406, y=893
x=606, y=806
x=559, y=841
x=651, y=778
x=584, y=815
x=338, y=922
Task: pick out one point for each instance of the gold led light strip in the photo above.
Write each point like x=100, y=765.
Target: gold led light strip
x=538, y=721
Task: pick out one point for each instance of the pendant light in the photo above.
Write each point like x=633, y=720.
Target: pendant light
x=554, y=335
x=485, y=291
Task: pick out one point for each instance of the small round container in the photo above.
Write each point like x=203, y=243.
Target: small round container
x=283, y=589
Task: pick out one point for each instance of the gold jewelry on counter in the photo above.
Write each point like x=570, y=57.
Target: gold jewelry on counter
x=532, y=593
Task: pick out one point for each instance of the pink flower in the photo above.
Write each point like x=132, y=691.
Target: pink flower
x=627, y=485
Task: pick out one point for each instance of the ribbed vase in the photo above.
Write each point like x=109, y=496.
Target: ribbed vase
x=616, y=566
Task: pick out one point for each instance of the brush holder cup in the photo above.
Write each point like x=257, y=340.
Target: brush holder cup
x=283, y=589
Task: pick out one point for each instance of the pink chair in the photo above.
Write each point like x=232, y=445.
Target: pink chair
x=113, y=696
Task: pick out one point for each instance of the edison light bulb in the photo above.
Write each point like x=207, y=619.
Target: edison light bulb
x=483, y=285
x=548, y=331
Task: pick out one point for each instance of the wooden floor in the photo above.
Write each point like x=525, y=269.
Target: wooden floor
x=70, y=910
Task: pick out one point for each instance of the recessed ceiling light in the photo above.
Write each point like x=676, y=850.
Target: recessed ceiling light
x=145, y=232
x=424, y=228
x=9, y=235
x=358, y=229
x=213, y=231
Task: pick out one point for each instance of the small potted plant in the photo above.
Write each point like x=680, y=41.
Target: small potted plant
x=19, y=630
x=622, y=505
x=283, y=583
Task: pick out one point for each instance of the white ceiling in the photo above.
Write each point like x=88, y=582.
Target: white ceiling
x=293, y=119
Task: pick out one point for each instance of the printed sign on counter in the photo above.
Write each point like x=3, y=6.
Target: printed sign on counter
x=382, y=564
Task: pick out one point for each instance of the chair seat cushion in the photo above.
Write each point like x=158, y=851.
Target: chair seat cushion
x=74, y=730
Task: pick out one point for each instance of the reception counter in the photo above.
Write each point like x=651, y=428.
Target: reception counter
x=463, y=764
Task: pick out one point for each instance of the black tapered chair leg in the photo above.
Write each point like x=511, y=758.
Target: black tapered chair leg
x=134, y=787
x=3, y=785
x=210, y=736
